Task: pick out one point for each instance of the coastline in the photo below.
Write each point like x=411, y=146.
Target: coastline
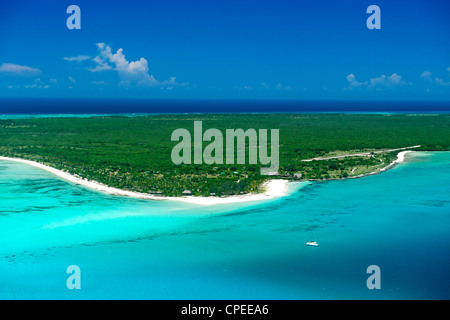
x=275, y=188
x=400, y=159
x=401, y=156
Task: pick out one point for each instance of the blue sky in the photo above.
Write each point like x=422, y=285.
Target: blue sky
x=307, y=50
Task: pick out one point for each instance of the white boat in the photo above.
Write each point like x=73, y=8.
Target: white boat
x=312, y=243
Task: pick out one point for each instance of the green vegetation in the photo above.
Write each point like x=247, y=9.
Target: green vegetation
x=134, y=153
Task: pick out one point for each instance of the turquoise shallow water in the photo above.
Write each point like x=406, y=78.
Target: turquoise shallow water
x=134, y=249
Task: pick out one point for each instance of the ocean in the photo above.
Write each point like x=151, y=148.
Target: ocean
x=39, y=106
x=126, y=248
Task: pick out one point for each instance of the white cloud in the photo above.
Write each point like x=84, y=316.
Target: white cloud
x=131, y=73
x=77, y=58
x=72, y=79
x=428, y=76
x=353, y=83
x=381, y=81
x=278, y=86
x=101, y=65
x=441, y=82
x=395, y=79
x=38, y=84
x=377, y=81
x=390, y=81
x=281, y=87
x=18, y=69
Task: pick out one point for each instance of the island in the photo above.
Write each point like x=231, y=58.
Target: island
x=132, y=154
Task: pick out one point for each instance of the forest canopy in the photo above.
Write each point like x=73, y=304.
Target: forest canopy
x=134, y=153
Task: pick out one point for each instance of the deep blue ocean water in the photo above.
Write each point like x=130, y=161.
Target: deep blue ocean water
x=135, y=249
x=130, y=106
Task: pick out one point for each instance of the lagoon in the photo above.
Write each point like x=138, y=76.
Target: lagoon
x=128, y=248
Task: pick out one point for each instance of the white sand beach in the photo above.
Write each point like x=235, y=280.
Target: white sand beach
x=273, y=188
x=401, y=156
x=400, y=159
